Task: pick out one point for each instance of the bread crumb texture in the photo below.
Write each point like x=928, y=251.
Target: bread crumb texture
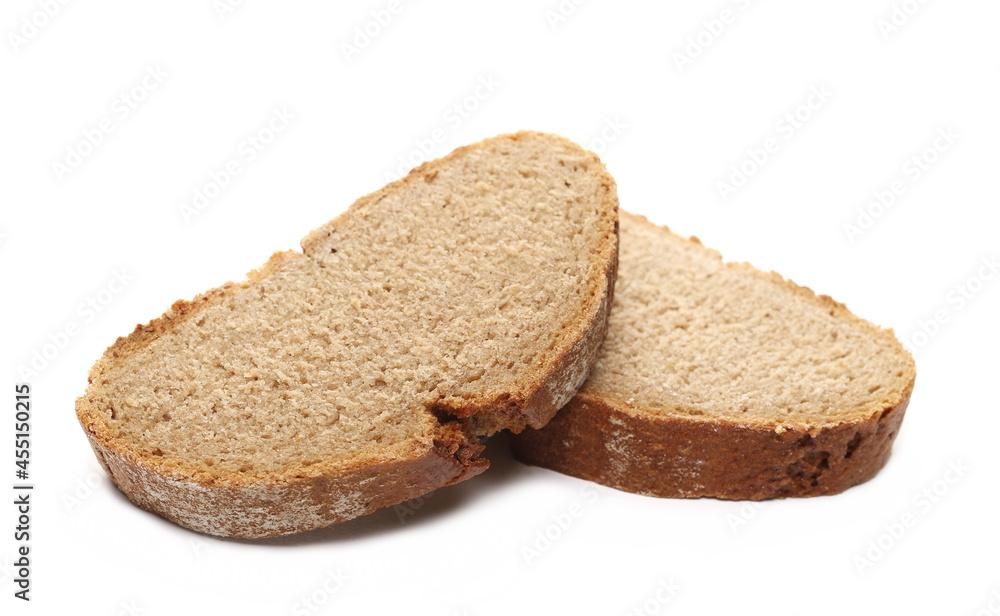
x=694, y=336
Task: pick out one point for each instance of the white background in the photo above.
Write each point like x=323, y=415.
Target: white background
x=672, y=130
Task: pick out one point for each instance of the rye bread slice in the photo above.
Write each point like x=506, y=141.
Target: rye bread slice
x=468, y=297
x=717, y=379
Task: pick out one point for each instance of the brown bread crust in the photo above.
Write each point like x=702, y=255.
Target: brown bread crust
x=655, y=455
x=270, y=510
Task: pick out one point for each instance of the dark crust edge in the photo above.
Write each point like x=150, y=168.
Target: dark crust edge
x=681, y=457
x=257, y=511
x=282, y=505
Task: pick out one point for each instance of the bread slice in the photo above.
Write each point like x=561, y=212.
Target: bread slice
x=468, y=297
x=717, y=379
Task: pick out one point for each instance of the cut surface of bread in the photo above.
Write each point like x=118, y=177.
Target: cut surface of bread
x=717, y=379
x=468, y=297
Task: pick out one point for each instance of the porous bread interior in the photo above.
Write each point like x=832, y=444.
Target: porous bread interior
x=690, y=335
x=441, y=289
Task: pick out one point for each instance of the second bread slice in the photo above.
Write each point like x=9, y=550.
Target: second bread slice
x=718, y=379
